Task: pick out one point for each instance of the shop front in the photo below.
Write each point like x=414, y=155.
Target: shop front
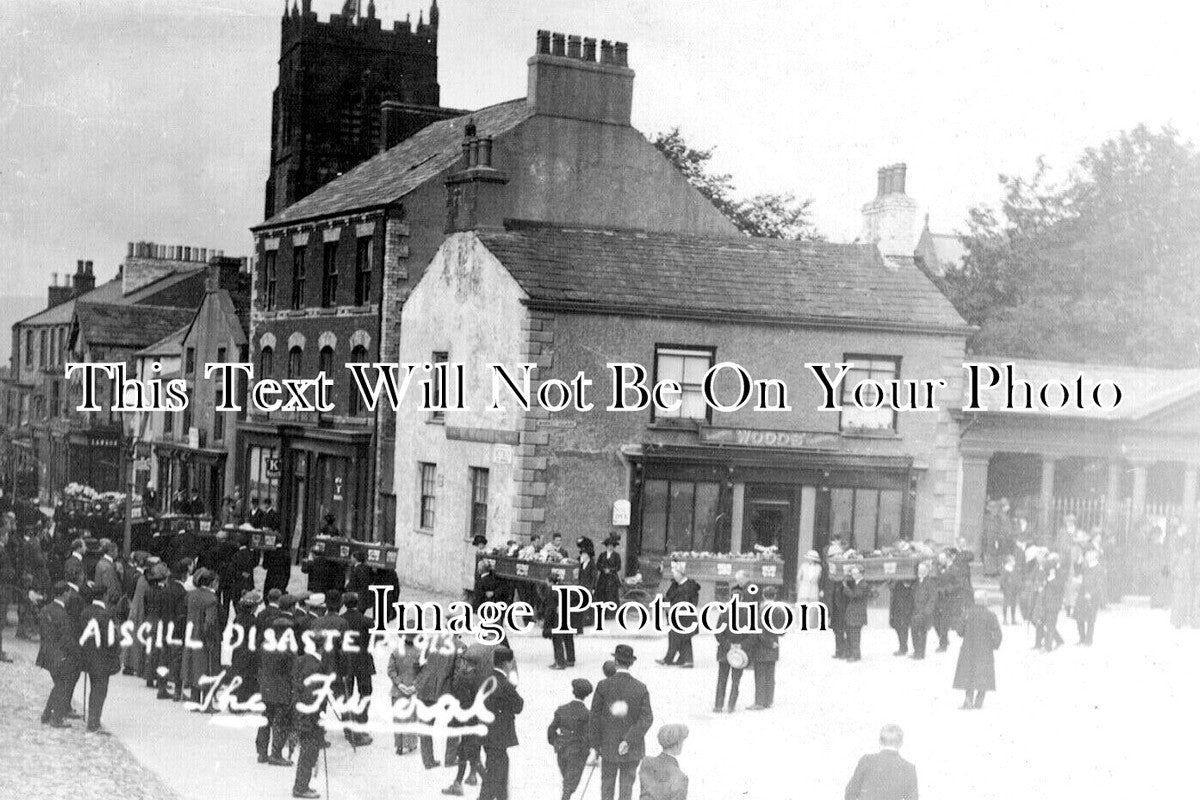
x=184, y=469
x=718, y=499
x=309, y=473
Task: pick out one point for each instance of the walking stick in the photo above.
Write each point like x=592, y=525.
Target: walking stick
x=588, y=780
x=325, y=757
x=87, y=679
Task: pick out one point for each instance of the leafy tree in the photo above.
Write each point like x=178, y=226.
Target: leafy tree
x=772, y=215
x=1103, y=266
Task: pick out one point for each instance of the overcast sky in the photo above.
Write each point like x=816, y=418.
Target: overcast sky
x=148, y=119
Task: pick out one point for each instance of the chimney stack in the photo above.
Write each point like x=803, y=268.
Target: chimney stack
x=565, y=80
x=889, y=220
x=475, y=194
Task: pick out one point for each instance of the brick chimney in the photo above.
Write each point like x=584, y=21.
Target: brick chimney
x=398, y=121
x=84, y=279
x=567, y=80
x=475, y=194
x=890, y=220
x=57, y=295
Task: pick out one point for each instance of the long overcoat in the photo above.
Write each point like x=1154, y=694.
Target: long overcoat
x=976, y=669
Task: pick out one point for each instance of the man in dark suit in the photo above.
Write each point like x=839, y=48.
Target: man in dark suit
x=174, y=617
x=900, y=612
x=100, y=653
x=73, y=570
x=924, y=606
x=307, y=715
x=107, y=576
x=275, y=668
x=855, y=594
x=568, y=734
x=682, y=590
x=58, y=654
x=505, y=703
x=360, y=666
x=184, y=544
x=241, y=567
x=884, y=775
x=360, y=579
x=621, y=717
x=277, y=562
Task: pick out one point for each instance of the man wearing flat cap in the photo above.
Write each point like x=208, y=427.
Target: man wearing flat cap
x=621, y=717
x=568, y=735
x=660, y=776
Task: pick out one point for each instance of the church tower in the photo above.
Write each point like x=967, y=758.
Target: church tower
x=347, y=88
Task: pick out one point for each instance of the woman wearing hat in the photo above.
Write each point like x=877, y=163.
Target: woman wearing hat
x=808, y=578
x=608, y=569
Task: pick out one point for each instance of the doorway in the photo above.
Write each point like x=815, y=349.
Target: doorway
x=771, y=519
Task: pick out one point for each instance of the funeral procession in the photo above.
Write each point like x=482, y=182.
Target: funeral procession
x=598, y=400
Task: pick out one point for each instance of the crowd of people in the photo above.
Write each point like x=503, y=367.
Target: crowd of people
x=196, y=583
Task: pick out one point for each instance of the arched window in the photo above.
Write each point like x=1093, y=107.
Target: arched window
x=358, y=355
x=266, y=362
x=295, y=360
x=325, y=364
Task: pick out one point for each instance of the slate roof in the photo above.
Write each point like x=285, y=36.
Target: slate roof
x=109, y=292
x=116, y=325
x=169, y=345
x=1145, y=390
x=769, y=279
x=394, y=173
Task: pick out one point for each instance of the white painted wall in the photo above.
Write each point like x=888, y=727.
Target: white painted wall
x=468, y=305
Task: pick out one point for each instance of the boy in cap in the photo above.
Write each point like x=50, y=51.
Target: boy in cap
x=660, y=776
x=568, y=735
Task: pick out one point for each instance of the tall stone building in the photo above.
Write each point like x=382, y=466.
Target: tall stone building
x=347, y=88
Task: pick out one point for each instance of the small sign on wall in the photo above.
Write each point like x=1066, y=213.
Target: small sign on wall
x=502, y=454
x=620, y=512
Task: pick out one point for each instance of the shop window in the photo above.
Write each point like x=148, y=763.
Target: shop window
x=479, y=501
x=428, y=476
x=299, y=276
x=679, y=515
x=438, y=357
x=358, y=355
x=687, y=367
x=329, y=275
x=866, y=519
x=881, y=370
x=362, y=272
x=262, y=473
x=269, y=270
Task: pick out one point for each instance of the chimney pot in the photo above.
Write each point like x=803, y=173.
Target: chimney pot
x=89, y=267
x=621, y=54
x=606, y=51
x=558, y=44
x=485, y=152
x=129, y=252
x=901, y=178
x=543, y=42
x=574, y=47
x=589, y=49
x=79, y=267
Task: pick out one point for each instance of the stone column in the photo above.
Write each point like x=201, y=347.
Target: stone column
x=973, y=501
x=1139, y=490
x=1112, y=498
x=1046, y=510
x=1188, y=510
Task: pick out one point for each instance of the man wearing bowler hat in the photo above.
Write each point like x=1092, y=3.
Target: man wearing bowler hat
x=621, y=717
